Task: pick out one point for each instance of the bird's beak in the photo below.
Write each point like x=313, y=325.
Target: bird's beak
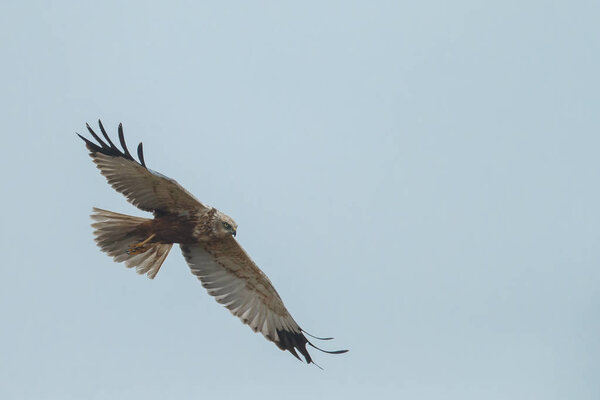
x=234, y=232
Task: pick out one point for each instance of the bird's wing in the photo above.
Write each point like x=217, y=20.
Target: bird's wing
x=146, y=189
x=228, y=273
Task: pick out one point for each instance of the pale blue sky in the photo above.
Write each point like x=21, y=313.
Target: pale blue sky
x=418, y=179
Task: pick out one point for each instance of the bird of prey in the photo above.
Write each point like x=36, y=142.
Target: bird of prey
x=204, y=234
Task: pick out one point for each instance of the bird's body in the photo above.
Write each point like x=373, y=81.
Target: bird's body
x=205, y=235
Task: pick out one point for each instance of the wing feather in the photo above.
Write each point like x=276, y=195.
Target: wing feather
x=228, y=274
x=146, y=189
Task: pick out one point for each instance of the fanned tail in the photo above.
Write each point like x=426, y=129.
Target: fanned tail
x=116, y=233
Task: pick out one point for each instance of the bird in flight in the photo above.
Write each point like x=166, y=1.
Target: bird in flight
x=205, y=235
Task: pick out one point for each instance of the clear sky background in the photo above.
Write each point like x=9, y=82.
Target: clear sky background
x=418, y=179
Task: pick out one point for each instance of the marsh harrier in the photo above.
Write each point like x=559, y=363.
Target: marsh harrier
x=205, y=235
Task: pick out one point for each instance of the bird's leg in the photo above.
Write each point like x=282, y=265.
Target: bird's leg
x=139, y=248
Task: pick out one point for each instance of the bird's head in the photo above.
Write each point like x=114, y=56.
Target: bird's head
x=224, y=225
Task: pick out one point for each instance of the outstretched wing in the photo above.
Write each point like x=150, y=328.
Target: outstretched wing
x=146, y=189
x=229, y=275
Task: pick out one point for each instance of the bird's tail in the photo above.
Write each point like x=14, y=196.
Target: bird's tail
x=126, y=239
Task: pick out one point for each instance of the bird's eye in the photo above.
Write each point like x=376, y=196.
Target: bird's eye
x=226, y=225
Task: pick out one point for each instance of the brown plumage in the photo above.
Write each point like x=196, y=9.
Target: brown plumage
x=205, y=235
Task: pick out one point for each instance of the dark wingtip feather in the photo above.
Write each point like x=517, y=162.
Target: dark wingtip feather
x=84, y=139
x=122, y=140
x=110, y=149
x=140, y=151
x=328, y=351
x=316, y=337
x=112, y=145
x=291, y=341
x=89, y=128
x=88, y=143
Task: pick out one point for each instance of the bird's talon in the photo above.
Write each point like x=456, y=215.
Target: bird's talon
x=137, y=248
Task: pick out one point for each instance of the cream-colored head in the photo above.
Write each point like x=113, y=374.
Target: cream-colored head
x=223, y=225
